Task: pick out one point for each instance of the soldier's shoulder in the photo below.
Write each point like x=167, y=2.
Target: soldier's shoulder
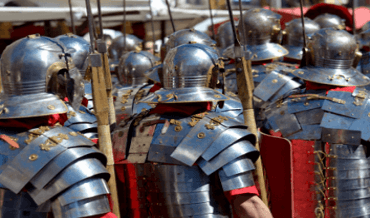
x=183, y=140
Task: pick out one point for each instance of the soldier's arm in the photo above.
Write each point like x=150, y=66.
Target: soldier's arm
x=249, y=206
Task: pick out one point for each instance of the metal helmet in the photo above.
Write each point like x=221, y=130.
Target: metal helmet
x=330, y=20
x=225, y=36
x=187, y=36
x=133, y=65
x=260, y=26
x=364, y=35
x=294, y=36
x=36, y=71
x=188, y=71
x=331, y=55
x=117, y=48
x=79, y=49
x=155, y=73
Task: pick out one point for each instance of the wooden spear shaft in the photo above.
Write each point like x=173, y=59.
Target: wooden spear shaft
x=101, y=111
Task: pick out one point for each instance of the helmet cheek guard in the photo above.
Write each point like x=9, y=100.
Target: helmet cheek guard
x=65, y=81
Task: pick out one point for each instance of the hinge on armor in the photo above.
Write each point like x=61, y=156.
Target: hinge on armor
x=196, y=118
x=53, y=141
x=297, y=98
x=36, y=133
x=177, y=124
x=125, y=96
x=215, y=122
x=139, y=95
x=359, y=98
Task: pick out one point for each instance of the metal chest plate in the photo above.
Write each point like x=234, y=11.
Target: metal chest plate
x=44, y=144
x=352, y=106
x=271, y=84
x=334, y=121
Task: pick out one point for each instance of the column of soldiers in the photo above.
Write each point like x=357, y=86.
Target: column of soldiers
x=180, y=146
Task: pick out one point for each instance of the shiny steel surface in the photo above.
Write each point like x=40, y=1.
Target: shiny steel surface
x=83, y=190
x=236, y=181
x=22, y=170
x=261, y=25
x=153, y=73
x=78, y=48
x=187, y=36
x=237, y=166
x=185, y=71
x=294, y=35
x=76, y=172
x=132, y=67
x=232, y=152
x=81, y=120
x=330, y=20
x=224, y=35
x=174, y=191
x=230, y=135
x=270, y=85
x=62, y=161
x=364, y=35
x=26, y=77
x=116, y=49
x=331, y=54
x=84, y=208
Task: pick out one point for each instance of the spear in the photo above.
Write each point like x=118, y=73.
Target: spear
x=170, y=14
x=304, y=61
x=72, y=20
x=245, y=91
x=211, y=16
x=101, y=110
x=152, y=22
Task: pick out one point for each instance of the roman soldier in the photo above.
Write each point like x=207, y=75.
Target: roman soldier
x=120, y=46
x=293, y=38
x=46, y=166
x=224, y=36
x=133, y=84
x=330, y=20
x=182, y=158
x=81, y=120
x=327, y=125
x=272, y=80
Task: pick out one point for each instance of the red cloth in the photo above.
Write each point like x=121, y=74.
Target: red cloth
x=33, y=122
x=338, y=10
x=85, y=102
x=247, y=190
x=187, y=109
x=107, y=215
x=95, y=141
x=155, y=87
x=317, y=86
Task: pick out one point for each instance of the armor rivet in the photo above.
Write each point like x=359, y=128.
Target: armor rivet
x=329, y=135
x=300, y=72
x=274, y=81
x=282, y=112
x=123, y=108
x=306, y=104
x=280, y=50
x=201, y=135
x=364, y=77
x=6, y=110
x=51, y=107
x=178, y=128
x=217, y=96
x=33, y=157
x=73, y=133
